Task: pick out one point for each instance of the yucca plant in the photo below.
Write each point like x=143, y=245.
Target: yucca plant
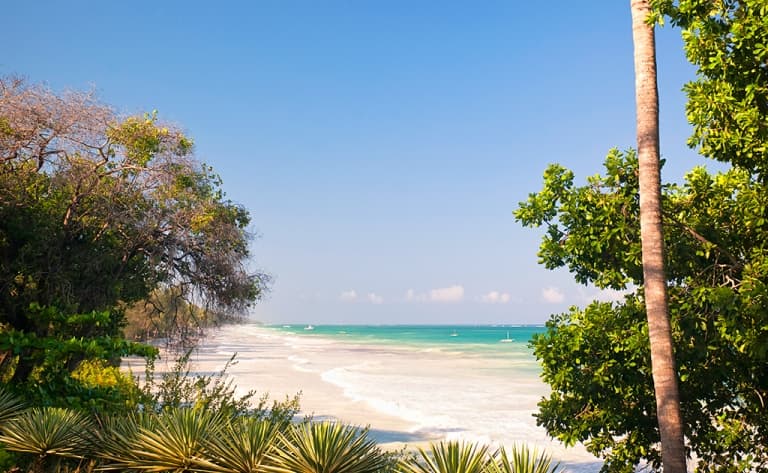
x=242, y=445
x=451, y=457
x=176, y=440
x=48, y=435
x=117, y=433
x=521, y=459
x=10, y=406
x=327, y=447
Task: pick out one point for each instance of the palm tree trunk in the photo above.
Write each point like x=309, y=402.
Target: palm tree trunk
x=654, y=279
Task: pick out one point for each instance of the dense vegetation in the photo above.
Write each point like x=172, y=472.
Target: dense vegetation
x=716, y=230
x=102, y=214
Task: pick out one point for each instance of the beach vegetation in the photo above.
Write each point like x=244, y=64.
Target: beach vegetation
x=328, y=447
x=452, y=457
x=244, y=445
x=178, y=440
x=466, y=457
x=47, y=437
x=524, y=459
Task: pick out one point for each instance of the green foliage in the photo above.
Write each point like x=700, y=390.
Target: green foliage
x=98, y=212
x=243, y=445
x=175, y=441
x=179, y=387
x=596, y=359
x=452, y=457
x=327, y=447
x=10, y=406
x=522, y=459
x=66, y=365
x=728, y=101
x=48, y=436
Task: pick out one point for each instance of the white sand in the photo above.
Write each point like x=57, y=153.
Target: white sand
x=407, y=397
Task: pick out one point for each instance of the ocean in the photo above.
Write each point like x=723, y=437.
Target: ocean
x=408, y=384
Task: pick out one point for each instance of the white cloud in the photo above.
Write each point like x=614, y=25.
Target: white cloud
x=496, y=297
x=347, y=296
x=453, y=293
x=449, y=294
x=552, y=295
x=375, y=298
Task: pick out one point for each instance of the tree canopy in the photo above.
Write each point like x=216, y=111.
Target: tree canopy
x=99, y=211
x=597, y=358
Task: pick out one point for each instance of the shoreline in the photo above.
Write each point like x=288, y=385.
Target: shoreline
x=384, y=387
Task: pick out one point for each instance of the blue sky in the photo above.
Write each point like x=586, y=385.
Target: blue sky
x=381, y=146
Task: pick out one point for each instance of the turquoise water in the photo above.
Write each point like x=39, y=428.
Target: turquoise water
x=486, y=339
x=408, y=382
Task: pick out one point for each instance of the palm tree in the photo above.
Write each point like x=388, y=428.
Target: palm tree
x=48, y=435
x=327, y=447
x=654, y=279
x=452, y=457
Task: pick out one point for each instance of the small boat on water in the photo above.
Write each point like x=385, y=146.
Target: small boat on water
x=507, y=340
x=309, y=327
x=454, y=334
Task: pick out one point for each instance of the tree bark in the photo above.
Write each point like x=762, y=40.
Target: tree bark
x=654, y=278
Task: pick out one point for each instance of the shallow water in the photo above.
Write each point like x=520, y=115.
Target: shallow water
x=409, y=384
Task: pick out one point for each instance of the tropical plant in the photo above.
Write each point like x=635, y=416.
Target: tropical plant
x=242, y=445
x=452, y=457
x=176, y=440
x=523, y=459
x=48, y=435
x=10, y=406
x=327, y=447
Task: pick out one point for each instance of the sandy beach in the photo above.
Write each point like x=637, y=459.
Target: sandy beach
x=407, y=396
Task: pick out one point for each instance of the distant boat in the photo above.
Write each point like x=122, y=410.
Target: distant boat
x=454, y=334
x=286, y=326
x=309, y=327
x=507, y=340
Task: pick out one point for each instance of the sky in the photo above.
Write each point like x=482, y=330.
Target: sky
x=380, y=146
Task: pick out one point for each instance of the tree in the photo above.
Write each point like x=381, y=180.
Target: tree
x=652, y=241
x=597, y=359
x=728, y=100
x=98, y=211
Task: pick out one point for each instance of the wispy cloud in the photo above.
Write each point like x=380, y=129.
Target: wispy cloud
x=375, y=298
x=496, y=297
x=448, y=294
x=552, y=295
x=348, y=296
